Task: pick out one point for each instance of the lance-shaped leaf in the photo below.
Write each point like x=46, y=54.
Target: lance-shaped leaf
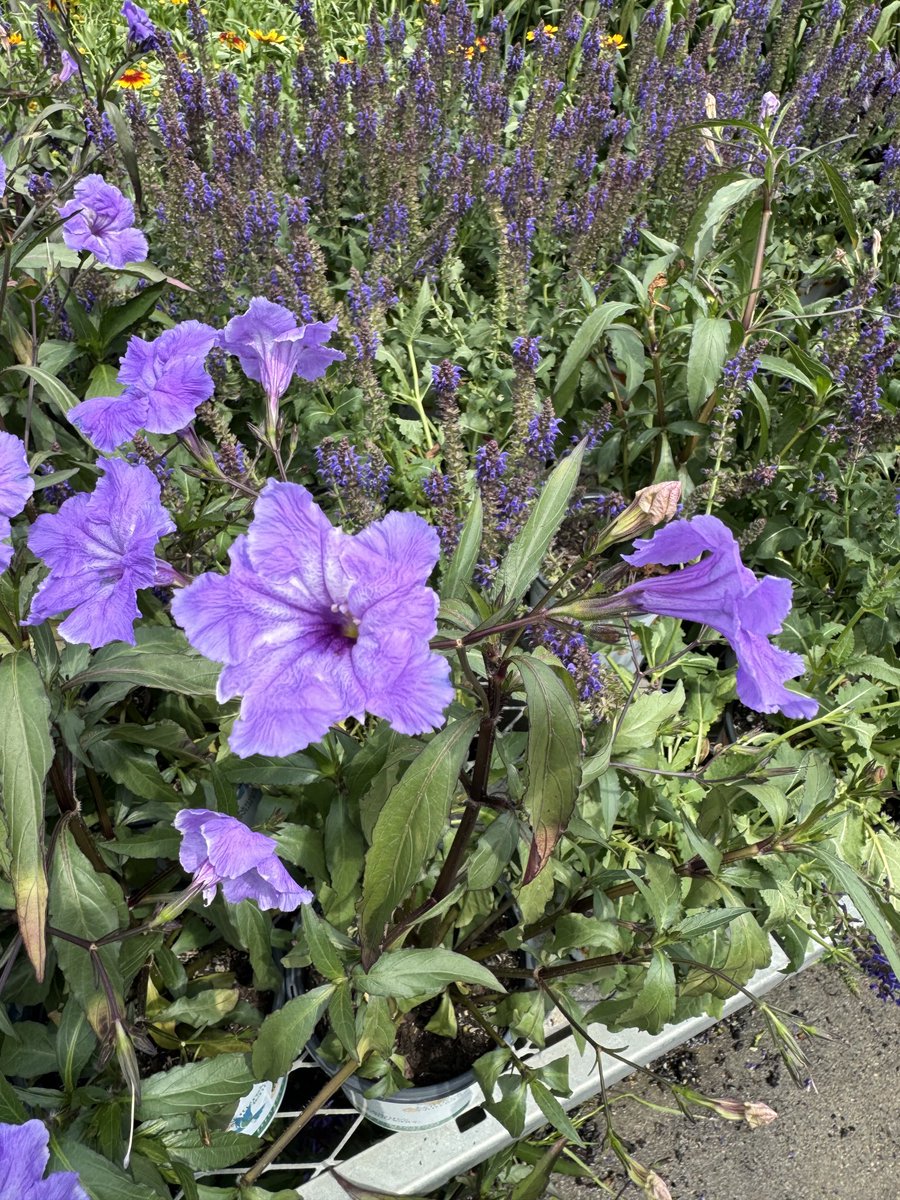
x=522, y=563
x=26, y=752
x=410, y=824
x=553, y=758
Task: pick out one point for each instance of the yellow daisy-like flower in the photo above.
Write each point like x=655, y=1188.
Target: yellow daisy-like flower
x=272, y=36
x=134, y=78
x=549, y=31
x=616, y=40
x=233, y=40
x=346, y=62
x=15, y=39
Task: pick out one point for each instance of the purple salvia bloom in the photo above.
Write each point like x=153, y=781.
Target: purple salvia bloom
x=273, y=348
x=68, y=69
x=141, y=29
x=315, y=625
x=218, y=849
x=165, y=383
x=101, y=550
x=24, y=1155
x=724, y=594
x=101, y=220
x=16, y=486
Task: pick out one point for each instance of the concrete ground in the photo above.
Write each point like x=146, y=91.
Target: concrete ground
x=837, y=1139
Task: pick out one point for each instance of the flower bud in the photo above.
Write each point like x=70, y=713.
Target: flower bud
x=652, y=1185
x=769, y=106
x=758, y=1114
x=650, y=507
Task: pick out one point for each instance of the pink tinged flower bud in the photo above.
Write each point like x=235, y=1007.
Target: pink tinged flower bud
x=758, y=1114
x=650, y=507
x=769, y=106
x=652, y=1185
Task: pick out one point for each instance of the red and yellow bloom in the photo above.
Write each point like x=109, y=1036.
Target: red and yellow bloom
x=134, y=78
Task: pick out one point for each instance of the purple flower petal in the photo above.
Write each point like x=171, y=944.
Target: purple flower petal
x=16, y=484
x=24, y=1155
x=101, y=549
x=724, y=594
x=272, y=348
x=166, y=382
x=315, y=626
x=96, y=217
x=220, y=850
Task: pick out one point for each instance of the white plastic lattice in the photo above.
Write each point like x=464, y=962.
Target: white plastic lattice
x=407, y=1163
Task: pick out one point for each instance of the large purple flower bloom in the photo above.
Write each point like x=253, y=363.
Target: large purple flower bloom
x=273, y=348
x=724, y=594
x=24, y=1155
x=100, y=549
x=218, y=849
x=16, y=486
x=141, y=29
x=315, y=625
x=165, y=383
x=101, y=220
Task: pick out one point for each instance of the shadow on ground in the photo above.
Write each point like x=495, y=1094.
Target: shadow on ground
x=837, y=1140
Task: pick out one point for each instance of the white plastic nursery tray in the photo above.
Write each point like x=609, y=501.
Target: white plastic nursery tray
x=416, y=1163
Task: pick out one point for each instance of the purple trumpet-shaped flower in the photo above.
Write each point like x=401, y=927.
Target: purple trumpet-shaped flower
x=273, y=348
x=2, y=178
x=315, y=625
x=165, y=383
x=68, y=69
x=100, y=219
x=218, y=849
x=24, y=1155
x=141, y=29
x=101, y=550
x=724, y=594
x=16, y=486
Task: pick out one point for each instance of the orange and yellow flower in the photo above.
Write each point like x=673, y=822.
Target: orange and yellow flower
x=615, y=40
x=345, y=62
x=272, y=36
x=549, y=31
x=15, y=39
x=134, y=78
x=233, y=40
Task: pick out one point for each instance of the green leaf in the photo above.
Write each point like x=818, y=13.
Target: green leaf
x=591, y=329
x=48, y=256
x=100, y=1178
x=12, y=1110
x=786, y=370
x=523, y=561
x=57, y=393
x=728, y=193
x=357, y=1192
x=661, y=889
x=410, y=825
x=135, y=769
x=553, y=756
x=26, y=752
x=104, y=381
x=459, y=572
x=404, y=974
x=709, y=349
x=161, y=659
x=87, y=904
x=213, y=1084
x=842, y=199
x=654, y=1005
x=697, y=924
x=321, y=949
x=644, y=717
x=553, y=1111
x=537, y=1182
x=123, y=317
x=212, y=1151
x=493, y=852
x=284, y=1033
x=878, y=915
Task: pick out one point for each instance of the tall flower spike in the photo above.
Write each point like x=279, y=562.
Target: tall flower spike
x=724, y=594
x=100, y=219
x=165, y=380
x=101, y=550
x=24, y=1155
x=16, y=486
x=221, y=851
x=315, y=625
x=272, y=348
